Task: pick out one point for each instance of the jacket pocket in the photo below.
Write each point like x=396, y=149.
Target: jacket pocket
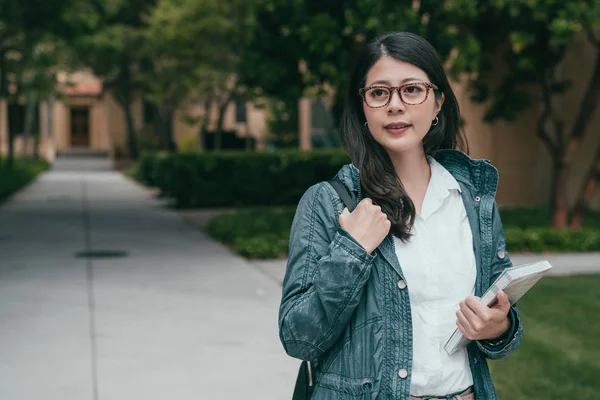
x=333, y=386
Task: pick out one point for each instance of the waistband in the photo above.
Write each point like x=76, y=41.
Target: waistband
x=468, y=394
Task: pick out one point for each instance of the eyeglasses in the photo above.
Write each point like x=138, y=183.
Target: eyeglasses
x=413, y=94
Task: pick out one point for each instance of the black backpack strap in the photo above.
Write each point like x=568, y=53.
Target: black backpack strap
x=343, y=192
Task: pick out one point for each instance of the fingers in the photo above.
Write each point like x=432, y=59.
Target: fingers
x=503, y=303
x=366, y=202
x=478, y=321
x=468, y=312
x=463, y=323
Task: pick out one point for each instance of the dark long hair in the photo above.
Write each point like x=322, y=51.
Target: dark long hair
x=377, y=174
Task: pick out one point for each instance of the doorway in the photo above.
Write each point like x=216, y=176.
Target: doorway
x=80, y=127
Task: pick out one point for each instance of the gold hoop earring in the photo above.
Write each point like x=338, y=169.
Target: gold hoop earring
x=437, y=121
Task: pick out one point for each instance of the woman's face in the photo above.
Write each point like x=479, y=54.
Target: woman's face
x=399, y=127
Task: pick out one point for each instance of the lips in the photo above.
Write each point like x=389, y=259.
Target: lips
x=397, y=128
x=397, y=125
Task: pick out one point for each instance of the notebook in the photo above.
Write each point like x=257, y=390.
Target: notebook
x=515, y=282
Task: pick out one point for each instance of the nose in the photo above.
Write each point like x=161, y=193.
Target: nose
x=396, y=104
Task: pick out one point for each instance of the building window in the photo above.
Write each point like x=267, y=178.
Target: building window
x=240, y=111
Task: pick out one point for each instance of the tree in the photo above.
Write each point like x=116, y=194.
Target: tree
x=109, y=44
x=35, y=80
x=195, y=48
x=538, y=34
x=24, y=25
x=301, y=47
x=326, y=36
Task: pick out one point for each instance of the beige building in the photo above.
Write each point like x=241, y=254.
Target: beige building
x=89, y=117
x=86, y=116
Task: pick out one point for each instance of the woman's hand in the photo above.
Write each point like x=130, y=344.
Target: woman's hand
x=477, y=321
x=367, y=224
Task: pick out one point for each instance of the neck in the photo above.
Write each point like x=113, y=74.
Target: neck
x=412, y=168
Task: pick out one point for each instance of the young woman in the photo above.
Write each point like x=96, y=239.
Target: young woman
x=371, y=296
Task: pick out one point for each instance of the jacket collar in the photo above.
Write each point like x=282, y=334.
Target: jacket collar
x=477, y=174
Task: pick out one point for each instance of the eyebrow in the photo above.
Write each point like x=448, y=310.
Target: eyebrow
x=384, y=82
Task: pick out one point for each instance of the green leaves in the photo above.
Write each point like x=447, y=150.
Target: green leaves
x=538, y=33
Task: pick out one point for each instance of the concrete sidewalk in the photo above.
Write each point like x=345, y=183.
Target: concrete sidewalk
x=173, y=316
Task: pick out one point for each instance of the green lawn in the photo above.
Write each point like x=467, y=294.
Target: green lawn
x=559, y=357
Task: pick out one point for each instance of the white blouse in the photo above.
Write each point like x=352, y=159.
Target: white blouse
x=439, y=267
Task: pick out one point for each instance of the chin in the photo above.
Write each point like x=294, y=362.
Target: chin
x=401, y=145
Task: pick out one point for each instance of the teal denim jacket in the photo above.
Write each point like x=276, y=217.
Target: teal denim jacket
x=343, y=310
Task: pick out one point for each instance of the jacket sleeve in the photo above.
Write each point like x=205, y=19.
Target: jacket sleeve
x=507, y=343
x=326, y=272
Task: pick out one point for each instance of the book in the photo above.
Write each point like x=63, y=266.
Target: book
x=515, y=282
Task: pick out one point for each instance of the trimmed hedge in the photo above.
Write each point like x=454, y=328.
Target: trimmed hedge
x=254, y=233
x=24, y=170
x=264, y=233
x=238, y=178
x=539, y=240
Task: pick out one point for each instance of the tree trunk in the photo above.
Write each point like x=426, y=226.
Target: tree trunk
x=49, y=121
x=11, y=149
x=220, y=123
x=560, y=177
x=10, y=156
x=157, y=125
x=29, y=116
x=222, y=109
x=123, y=96
x=166, y=124
x=205, y=121
x=169, y=130
x=562, y=158
x=586, y=192
x=36, y=145
x=132, y=143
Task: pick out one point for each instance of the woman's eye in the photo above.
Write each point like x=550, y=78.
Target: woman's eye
x=412, y=89
x=379, y=93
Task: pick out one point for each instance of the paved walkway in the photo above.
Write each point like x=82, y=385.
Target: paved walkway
x=179, y=317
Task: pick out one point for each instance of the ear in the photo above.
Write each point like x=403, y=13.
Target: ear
x=439, y=101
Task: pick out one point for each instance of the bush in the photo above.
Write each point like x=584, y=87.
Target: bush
x=265, y=246
x=238, y=178
x=189, y=143
x=547, y=239
x=24, y=170
x=146, y=168
x=254, y=233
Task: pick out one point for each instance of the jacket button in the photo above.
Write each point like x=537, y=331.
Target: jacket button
x=477, y=198
x=401, y=284
x=403, y=373
x=501, y=254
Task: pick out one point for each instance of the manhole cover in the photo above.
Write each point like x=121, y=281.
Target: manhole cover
x=101, y=254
